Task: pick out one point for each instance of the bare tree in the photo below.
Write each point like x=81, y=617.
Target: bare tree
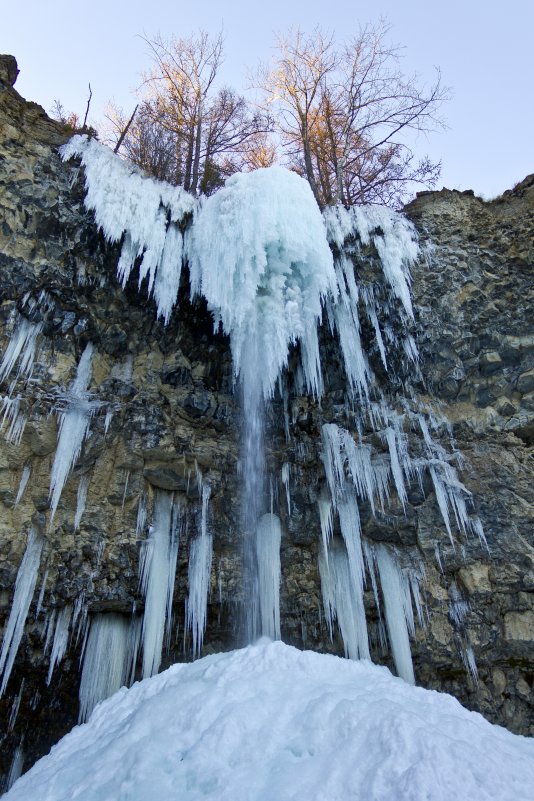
x=344, y=114
x=189, y=131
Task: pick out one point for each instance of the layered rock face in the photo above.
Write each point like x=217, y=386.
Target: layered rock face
x=167, y=413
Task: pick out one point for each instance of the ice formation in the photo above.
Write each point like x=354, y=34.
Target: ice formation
x=24, y=589
x=268, y=538
x=200, y=557
x=74, y=422
x=22, y=348
x=157, y=570
x=258, y=253
x=145, y=212
x=268, y=265
x=13, y=419
x=107, y=657
x=398, y=609
x=61, y=639
x=25, y=475
x=81, y=498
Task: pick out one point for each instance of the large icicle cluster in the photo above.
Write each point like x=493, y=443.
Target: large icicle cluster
x=146, y=212
x=258, y=253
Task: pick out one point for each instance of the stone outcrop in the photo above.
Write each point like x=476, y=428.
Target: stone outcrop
x=168, y=410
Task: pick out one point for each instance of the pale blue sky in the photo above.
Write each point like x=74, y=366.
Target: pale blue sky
x=484, y=50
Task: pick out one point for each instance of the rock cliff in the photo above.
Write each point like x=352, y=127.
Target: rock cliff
x=167, y=410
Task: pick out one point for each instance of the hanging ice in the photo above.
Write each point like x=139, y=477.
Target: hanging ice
x=343, y=601
x=81, y=498
x=258, y=253
x=393, y=236
x=106, y=660
x=61, y=639
x=268, y=537
x=24, y=589
x=22, y=347
x=26, y=470
x=200, y=556
x=73, y=427
x=146, y=212
x=397, y=603
x=158, y=569
x=13, y=419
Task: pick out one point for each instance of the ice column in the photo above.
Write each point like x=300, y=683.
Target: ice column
x=200, y=557
x=158, y=568
x=268, y=538
x=24, y=589
x=396, y=593
x=105, y=661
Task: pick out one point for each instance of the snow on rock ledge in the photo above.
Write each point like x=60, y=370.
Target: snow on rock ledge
x=271, y=722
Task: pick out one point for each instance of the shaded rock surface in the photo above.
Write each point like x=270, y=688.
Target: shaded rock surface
x=168, y=411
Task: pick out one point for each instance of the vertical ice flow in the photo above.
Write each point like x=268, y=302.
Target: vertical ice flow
x=24, y=589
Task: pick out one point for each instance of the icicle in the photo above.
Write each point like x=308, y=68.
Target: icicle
x=73, y=427
x=286, y=470
x=17, y=764
x=176, y=529
x=15, y=707
x=105, y=661
x=326, y=517
x=158, y=565
x=394, y=590
x=200, y=556
x=61, y=640
x=392, y=234
x=49, y=626
x=107, y=420
x=81, y=498
x=22, y=347
x=141, y=515
x=13, y=419
x=268, y=538
x=26, y=470
x=468, y=658
x=24, y=589
x=396, y=469
x=343, y=601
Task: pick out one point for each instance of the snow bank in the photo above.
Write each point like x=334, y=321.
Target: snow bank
x=270, y=723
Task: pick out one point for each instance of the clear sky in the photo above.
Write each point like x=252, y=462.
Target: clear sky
x=484, y=50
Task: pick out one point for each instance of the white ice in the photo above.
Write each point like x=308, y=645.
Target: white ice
x=199, y=574
x=268, y=538
x=74, y=425
x=399, y=615
x=22, y=347
x=106, y=660
x=158, y=567
x=147, y=212
x=61, y=639
x=24, y=589
x=258, y=253
x=392, y=234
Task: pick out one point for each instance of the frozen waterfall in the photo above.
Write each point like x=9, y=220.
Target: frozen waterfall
x=272, y=269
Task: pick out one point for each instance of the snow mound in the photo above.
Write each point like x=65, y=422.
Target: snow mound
x=270, y=723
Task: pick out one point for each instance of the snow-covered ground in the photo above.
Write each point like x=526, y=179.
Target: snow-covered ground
x=270, y=723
